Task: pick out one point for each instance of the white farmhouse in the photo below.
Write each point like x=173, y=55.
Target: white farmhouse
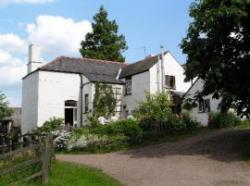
x=205, y=105
x=65, y=87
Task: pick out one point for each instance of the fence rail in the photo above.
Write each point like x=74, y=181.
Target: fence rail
x=39, y=153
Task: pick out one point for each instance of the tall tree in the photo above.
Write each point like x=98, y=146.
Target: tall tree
x=104, y=42
x=5, y=111
x=218, y=51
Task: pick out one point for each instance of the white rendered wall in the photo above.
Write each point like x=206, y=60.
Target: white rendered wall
x=173, y=68
x=29, y=102
x=214, y=103
x=148, y=81
x=140, y=85
x=88, y=89
x=54, y=89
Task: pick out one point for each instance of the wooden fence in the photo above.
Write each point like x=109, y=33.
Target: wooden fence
x=28, y=161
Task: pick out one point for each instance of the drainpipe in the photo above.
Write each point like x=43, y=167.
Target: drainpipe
x=81, y=95
x=162, y=69
x=158, y=75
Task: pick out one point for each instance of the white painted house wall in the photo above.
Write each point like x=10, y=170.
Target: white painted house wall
x=148, y=81
x=54, y=89
x=44, y=96
x=202, y=117
x=29, y=102
x=171, y=67
x=140, y=85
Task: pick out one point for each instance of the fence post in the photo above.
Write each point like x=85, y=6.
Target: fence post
x=45, y=160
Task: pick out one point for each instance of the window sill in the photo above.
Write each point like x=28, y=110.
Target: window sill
x=203, y=112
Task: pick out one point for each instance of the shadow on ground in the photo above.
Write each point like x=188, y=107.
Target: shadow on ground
x=223, y=145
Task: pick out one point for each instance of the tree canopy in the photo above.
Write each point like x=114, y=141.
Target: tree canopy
x=104, y=42
x=218, y=51
x=5, y=111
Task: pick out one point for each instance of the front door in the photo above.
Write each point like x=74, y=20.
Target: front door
x=69, y=116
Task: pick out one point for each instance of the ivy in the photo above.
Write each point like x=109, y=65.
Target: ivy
x=104, y=100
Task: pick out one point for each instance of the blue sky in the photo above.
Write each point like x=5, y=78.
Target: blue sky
x=149, y=24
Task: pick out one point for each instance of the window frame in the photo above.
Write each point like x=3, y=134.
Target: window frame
x=204, y=106
x=170, y=81
x=86, y=103
x=128, y=86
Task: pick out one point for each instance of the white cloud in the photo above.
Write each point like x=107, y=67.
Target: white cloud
x=12, y=69
x=54, y=34
x=12, y=43
x=4, y=2
x=57, y=35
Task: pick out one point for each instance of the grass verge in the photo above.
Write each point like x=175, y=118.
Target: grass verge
x=69, y=174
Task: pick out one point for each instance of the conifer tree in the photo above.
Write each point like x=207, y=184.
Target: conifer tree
x=104, y=42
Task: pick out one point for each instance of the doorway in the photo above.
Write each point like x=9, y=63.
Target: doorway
x=69, y=116
x=70, y=113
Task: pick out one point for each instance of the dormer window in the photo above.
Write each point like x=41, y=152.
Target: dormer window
x=170, y=82
x=128, y=86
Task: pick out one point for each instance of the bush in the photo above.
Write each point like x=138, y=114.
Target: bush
x=50, y=125
x=104, y=138
x=245, y=123
x=223, y=120
x=129, y=128
x=155, y=112
x=96, y=143
x=61, y=138
x=188, y=122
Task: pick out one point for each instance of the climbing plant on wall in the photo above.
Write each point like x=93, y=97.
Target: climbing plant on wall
x=104, y=100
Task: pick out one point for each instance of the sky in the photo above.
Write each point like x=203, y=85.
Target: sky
x=58, y=27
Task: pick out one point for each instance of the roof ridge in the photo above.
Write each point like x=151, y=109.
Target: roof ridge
x=147, y=58
x=103, y=61
x=92, y=59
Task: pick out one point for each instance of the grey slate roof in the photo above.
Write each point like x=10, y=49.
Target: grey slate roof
x=95, y=70
x=140, y=66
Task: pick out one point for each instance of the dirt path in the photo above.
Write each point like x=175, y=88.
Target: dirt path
x=211, y=159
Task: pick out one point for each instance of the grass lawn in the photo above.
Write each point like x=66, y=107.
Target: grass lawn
x=76, y=175
x=68, y=174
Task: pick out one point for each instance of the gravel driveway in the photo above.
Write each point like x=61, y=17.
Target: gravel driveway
x=210, y=159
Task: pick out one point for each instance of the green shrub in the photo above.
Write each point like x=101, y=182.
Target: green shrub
x=50, y=125
x=107, y=143
x=129, y=128
x=89, y=142
x=223, y=120
x=155, y=112
x=188, y=122
x=93, y=121
x=244, y=124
